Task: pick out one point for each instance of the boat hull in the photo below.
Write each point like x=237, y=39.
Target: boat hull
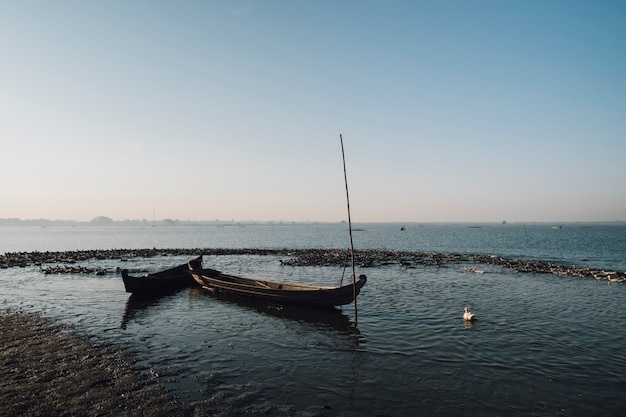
x=169, y=280
x=278, y=292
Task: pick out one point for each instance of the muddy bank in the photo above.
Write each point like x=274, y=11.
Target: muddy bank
x=48, y=371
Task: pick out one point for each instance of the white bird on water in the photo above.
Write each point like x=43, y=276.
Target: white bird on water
x=467, y=316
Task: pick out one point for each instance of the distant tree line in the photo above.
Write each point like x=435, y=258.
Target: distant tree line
x=97, y=221
x=107, y=221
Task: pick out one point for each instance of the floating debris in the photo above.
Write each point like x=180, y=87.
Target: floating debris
x=370, y=258
x=74, y=270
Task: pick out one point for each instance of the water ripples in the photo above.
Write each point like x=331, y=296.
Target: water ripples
x=541, y=345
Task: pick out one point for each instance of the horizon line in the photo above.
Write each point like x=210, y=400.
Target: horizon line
x=104, y=220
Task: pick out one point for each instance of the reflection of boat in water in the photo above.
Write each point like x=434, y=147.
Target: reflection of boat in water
x=323, y=318
x=161, y=282
x=137, y=303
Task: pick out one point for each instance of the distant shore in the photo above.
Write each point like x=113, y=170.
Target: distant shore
x=107, y=221
x=48, y=371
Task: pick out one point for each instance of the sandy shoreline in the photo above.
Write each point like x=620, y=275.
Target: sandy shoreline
x=47, y=371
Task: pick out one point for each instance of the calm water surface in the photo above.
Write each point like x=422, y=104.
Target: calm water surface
x=542, y=345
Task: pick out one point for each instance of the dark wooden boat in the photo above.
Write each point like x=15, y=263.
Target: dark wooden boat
x=161, y=282
x=278, y=292
x=282, y=292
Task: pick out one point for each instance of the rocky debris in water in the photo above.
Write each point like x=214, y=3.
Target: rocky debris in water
x=24, y=259
x=374, y=258
x=305, y=257
x=74, y=270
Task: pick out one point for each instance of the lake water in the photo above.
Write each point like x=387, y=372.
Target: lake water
x=542, y=345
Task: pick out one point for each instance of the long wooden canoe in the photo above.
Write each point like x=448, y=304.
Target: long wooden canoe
x=277, y=292
x=161, y=282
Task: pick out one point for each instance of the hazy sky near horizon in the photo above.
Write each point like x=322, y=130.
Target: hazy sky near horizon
x=194, y=110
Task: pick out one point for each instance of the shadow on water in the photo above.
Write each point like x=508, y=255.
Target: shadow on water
x=137, y=304
x=324, y=319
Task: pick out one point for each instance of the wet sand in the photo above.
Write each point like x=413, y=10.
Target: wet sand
x=50, y=371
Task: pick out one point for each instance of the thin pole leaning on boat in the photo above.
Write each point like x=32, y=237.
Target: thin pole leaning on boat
x=345, y=177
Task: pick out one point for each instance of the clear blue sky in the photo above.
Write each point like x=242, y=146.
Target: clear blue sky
x=449, y=110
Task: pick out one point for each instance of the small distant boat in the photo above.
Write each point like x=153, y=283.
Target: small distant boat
x=161, y=282
x=278, y=292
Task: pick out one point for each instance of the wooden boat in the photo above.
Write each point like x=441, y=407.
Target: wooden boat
x=282, y=292
x=161, y=282
x=277, y=292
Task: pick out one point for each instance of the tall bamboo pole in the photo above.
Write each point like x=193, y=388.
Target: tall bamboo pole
x=345, y=177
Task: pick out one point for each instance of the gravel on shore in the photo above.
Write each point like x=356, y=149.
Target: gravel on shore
x=49, y=371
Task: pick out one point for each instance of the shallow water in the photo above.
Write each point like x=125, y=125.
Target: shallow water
x=542, y=345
